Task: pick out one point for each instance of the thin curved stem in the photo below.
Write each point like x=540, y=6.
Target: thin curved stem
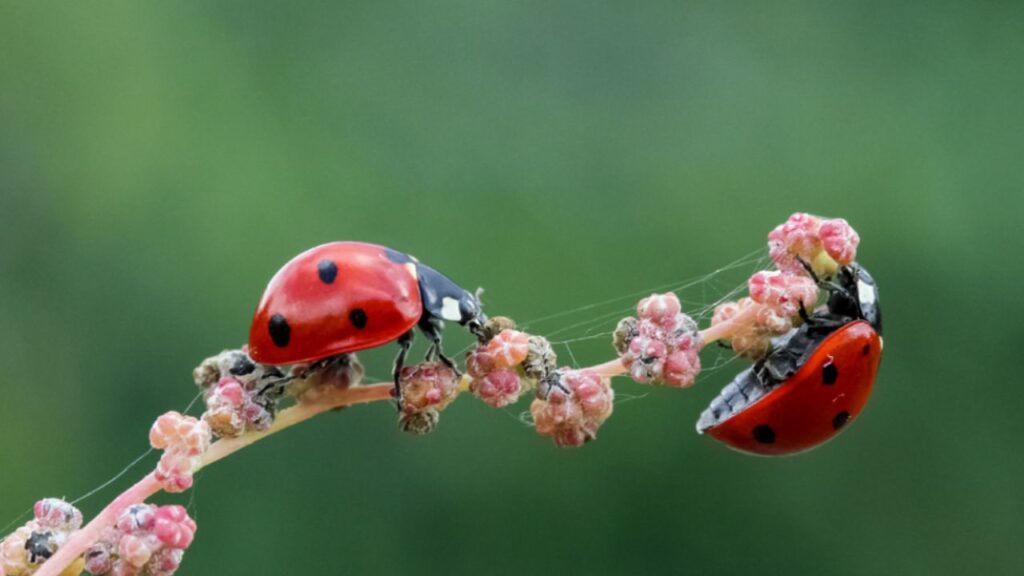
x=148, y=486
x=719, y=331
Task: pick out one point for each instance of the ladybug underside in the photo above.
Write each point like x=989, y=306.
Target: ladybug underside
x=756, y=382
x=801, y=395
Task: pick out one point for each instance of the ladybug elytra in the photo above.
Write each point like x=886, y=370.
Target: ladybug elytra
x=815, y=381
x=343, y=297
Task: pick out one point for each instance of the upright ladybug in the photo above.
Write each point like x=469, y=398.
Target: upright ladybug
x=344, y=297
x=815, y=381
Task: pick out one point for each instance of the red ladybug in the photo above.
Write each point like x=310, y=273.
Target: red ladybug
x=344, y=297
x=815, y=382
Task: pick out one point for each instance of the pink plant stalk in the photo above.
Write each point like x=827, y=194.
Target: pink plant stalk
x=660, y=345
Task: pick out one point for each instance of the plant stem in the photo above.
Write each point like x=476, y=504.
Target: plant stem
x=331, y=399
x=82, y=539
x=148, y=486
x=719, y=331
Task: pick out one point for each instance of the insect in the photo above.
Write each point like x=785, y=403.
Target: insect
x=344, y=297
x=813, y=384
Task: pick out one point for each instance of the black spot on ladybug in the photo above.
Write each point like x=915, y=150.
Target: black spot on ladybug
x=358, y=318
x=242, y=366
x=764, y=434
x=867, y=349
x=829, y=374
x=397, y=257
x=280, y=332
x=328, y=271
x=841, y=419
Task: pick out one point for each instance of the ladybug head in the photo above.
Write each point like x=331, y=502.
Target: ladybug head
x=443, y=299
x=857, y=297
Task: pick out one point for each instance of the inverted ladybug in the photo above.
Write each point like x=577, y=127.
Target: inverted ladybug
x=344, y=297
x=813, y=384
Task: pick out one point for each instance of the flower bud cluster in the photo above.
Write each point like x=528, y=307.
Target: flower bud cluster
x=146, y=539
x=777, y=298
x=662, y=345
x=427, y=388
x=240, y=394
x=571, y=405
x=53, y=522
x=183, y=440
x=810, y=238
x=508, y=363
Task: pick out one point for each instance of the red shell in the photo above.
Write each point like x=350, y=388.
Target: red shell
x=804, y=411
x=321, y=318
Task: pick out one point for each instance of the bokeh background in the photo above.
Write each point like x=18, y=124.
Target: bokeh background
x=159, y=161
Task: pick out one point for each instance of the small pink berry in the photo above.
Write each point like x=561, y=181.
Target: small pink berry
x=724, y=312
x=795, y=238
x=681, y=368
x=509, y=348
x=256, y=415
x=98, y=559
x=659, y=307
x=230, y=390
x=136, y=550
x=783, y=292
x=499, y=388
x=840, y=240
x=58, y=514
x=427, y=385
x=174, y=527
x=174, y=471
x=123, y=568
x=174, y=431
x=573, y=418
x=165, y=562
x=479, y=362
x=137, y=518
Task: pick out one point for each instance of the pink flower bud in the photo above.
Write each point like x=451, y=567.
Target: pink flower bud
x=98, y=559
x=165, y=562
x=795, y=238
x=509, y=348
x=499, y=388
x=681, y=368
x=840, y=240
x=479, y=362
x=174, y=431
x=659, y=307
x=783, y=292
x=58, y=514
x=230, y=391
x=427, y=385
x=574, y=409
x=124, y=568
x=174, y=527
x=137, y=518
x=174, y=471
x=661, y=331
x=135, y=550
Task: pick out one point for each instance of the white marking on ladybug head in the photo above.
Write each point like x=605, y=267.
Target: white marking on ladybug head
x=450, y=309
x=866, y=292
x=414, y=259
x=412, y=270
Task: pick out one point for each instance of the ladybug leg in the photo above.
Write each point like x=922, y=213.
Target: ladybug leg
x=824, y=284
x=803, y=313
x=404, y=343
x=431, y=328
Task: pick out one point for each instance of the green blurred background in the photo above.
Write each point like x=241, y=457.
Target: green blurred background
x=159, y=161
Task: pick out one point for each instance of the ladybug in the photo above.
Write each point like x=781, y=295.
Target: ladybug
x=343, y=297
x=815, y=381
